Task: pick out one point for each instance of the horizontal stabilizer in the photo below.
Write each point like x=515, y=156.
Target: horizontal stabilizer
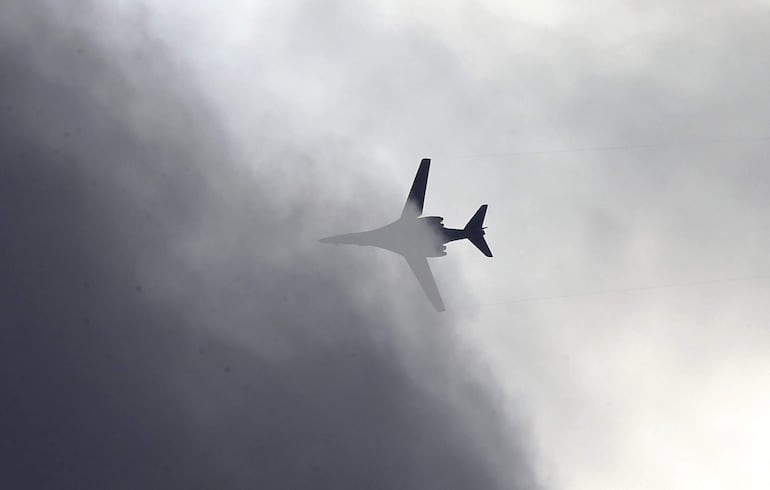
x=481, y=244
x=475, y=231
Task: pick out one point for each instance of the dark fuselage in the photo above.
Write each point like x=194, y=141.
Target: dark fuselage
x=424, y=237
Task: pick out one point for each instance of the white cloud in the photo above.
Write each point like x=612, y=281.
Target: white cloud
x=657, y=389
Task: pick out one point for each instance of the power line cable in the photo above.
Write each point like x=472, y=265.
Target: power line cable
x=662, y=144
x=601, y=292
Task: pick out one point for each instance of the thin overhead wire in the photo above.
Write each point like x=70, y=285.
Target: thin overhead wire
x=602, y=292
x=642, y=146
x=622, y=147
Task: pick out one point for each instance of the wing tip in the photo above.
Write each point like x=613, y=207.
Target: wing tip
x=424, y=166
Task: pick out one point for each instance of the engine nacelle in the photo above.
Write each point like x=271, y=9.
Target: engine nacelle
x=439, y=251
x=434, y=220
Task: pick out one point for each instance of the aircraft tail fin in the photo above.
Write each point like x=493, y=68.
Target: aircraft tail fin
x=475, y=230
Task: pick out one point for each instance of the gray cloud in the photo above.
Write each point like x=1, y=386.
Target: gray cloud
x=167, y=320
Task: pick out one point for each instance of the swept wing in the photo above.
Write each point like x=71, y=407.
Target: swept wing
x=413, y=206
x=421, y=269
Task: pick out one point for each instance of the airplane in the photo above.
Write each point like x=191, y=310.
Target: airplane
x=416, y=238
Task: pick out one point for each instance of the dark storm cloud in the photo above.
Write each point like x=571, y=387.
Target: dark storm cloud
x=164, y=325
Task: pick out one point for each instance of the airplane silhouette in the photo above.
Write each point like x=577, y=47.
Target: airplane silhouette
x=417, y=238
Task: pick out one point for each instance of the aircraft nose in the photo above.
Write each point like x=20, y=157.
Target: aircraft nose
x=327, y=240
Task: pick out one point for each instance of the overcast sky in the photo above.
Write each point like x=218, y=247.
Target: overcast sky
x=169, y=320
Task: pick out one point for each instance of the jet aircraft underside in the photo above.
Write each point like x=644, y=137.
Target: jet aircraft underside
x=416, y=238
